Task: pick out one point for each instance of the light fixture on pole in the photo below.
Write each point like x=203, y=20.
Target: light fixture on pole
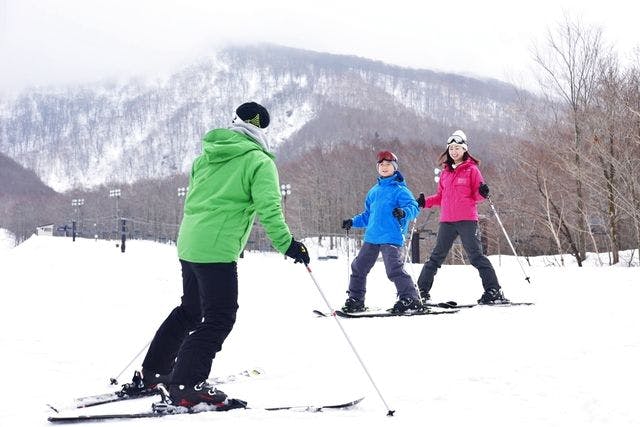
x=285, y=190
x=76, y=203
x=116, y=194
x=182, y=193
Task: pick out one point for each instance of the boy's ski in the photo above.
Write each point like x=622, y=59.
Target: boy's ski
x=455, y=305
x=382, y=313
x=162, y=409
x=115, y=396
x=450, y=306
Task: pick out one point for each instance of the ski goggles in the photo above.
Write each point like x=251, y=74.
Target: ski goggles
x=386, y=155
x=455, y=138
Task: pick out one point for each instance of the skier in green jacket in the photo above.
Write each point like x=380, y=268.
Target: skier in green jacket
x=234, y=179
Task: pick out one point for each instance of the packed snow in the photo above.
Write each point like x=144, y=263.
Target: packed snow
x=7, y=241
x=76, y=313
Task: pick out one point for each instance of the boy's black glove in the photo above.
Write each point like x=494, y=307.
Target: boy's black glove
x=347, y=224
x=298, y=251
x=421, y=201
x=484, y=190
x=399, y=213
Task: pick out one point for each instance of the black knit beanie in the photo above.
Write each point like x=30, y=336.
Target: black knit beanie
x=253, y=113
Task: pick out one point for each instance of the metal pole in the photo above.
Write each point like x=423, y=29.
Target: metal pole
x=408, y=245
x=333, y=314
x=348, y=257
x=114, y=380
x=526, y=276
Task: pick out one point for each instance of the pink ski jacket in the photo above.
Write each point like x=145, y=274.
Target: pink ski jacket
x=458, y=193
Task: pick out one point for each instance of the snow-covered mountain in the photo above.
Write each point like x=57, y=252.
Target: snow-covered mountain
x=85, y=136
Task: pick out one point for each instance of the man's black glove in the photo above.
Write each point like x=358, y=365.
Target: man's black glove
x=421, y=201
x=298, y=251
x=484, y=190
x=399, y=213
x=347, y=224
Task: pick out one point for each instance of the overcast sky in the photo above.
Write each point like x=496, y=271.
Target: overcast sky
x=51, y=42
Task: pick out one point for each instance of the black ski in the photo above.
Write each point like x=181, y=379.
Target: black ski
x=386, y=313
x=449, y=306
x=116, y=396
x=383, y=313
x=159, y=409
x=162, y=409
x=455, y=305
x=311, y=408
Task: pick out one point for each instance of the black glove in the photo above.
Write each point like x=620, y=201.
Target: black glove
x=484, y=190
x=347, y=224
x=298, y=251
x=421, y=201
x=399, y=213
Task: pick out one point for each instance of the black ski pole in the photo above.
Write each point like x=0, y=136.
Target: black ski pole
x=348, y=256
x=114, y=380
x=390, y=412
x=526, y=276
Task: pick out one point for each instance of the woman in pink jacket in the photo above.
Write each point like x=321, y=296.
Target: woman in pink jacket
x=460, y=189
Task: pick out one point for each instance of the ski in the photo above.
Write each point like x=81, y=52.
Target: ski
x=449, y=306
x=159, y=409
x=386, y=313
x=383, y=313
x=312, y=408
x=116, y=396
x=162, y=409
x=455, y=305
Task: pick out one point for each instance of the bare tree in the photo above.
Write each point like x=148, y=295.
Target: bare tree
x=570, y=72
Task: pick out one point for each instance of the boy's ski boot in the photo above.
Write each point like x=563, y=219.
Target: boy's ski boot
x=493, y=296
x=353, y=305
x=406, y=304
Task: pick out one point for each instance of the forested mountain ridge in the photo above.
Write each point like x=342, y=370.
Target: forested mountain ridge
x=85, y=136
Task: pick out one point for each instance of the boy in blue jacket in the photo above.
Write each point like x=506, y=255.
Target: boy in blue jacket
x=388, y=209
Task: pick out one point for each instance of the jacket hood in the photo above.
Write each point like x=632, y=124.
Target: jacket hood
x=395, y=178
x=222, y=145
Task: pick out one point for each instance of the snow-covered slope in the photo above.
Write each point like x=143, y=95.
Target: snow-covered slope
x=74, y=314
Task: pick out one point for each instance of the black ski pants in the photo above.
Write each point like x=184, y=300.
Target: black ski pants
x=187, y=341
x=447, y=233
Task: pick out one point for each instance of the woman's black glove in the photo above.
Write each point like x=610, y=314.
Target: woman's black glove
x=484, y=190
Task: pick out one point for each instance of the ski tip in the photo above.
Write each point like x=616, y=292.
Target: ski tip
x=53, y=408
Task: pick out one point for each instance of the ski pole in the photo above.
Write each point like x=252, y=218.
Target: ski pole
x=348, y=256
x=333, y=314
x=526, y=276
x=406, y=256
x=114, y=380
x=408, y=247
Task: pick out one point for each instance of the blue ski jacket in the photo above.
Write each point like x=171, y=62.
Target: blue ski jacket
x=382, y=227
